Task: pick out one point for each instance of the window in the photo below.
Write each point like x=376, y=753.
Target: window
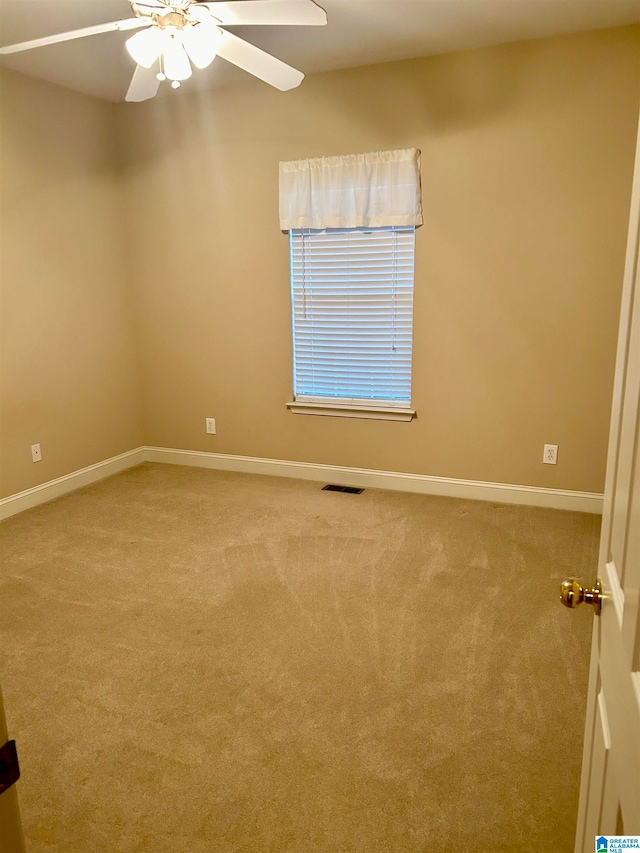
x=351, y=221
x=352, y=311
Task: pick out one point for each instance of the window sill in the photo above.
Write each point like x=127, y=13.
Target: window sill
x=337, y=410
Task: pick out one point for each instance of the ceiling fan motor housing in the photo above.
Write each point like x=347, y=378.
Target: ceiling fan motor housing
x=177, y=20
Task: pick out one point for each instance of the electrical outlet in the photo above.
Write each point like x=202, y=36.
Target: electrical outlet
x=211, y=426
x=36, y=453
x=550, y=456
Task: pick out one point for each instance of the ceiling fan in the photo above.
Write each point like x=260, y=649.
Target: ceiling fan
x=174, y=34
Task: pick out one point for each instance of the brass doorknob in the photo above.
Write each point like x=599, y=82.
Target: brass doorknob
x=573, y=594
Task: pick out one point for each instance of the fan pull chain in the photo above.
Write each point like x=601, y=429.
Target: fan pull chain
x=161, y=76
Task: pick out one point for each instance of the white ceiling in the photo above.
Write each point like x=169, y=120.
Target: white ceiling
x=359, y=32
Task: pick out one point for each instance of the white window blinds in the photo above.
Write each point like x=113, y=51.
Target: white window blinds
x=352, y=298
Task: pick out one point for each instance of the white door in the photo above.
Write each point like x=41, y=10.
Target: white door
x=610, y=786
x=10, y=827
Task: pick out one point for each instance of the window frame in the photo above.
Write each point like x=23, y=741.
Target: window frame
x=351, y=406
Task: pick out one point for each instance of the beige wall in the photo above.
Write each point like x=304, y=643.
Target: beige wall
x=526, y=166
x=527, y=154
x=68, y=377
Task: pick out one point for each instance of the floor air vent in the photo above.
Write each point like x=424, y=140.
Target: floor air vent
x=351, y=490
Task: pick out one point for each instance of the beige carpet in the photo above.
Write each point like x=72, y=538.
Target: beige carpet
x=201, y=661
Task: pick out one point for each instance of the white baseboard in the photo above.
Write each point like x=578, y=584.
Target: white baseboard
x=361, y=477
x=75, y=480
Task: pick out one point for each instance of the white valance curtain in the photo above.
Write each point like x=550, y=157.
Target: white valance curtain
x=373, y=190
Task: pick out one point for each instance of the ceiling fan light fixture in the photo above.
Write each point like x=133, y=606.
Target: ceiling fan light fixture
x=146, y=46
x=175, y=61
x=173, y=34
x=201, y=43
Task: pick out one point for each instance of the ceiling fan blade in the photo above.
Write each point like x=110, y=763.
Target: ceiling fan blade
x=259, y=63
x=264, y=12
x=150, y=4
x=144, y=83
x=126, y=24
